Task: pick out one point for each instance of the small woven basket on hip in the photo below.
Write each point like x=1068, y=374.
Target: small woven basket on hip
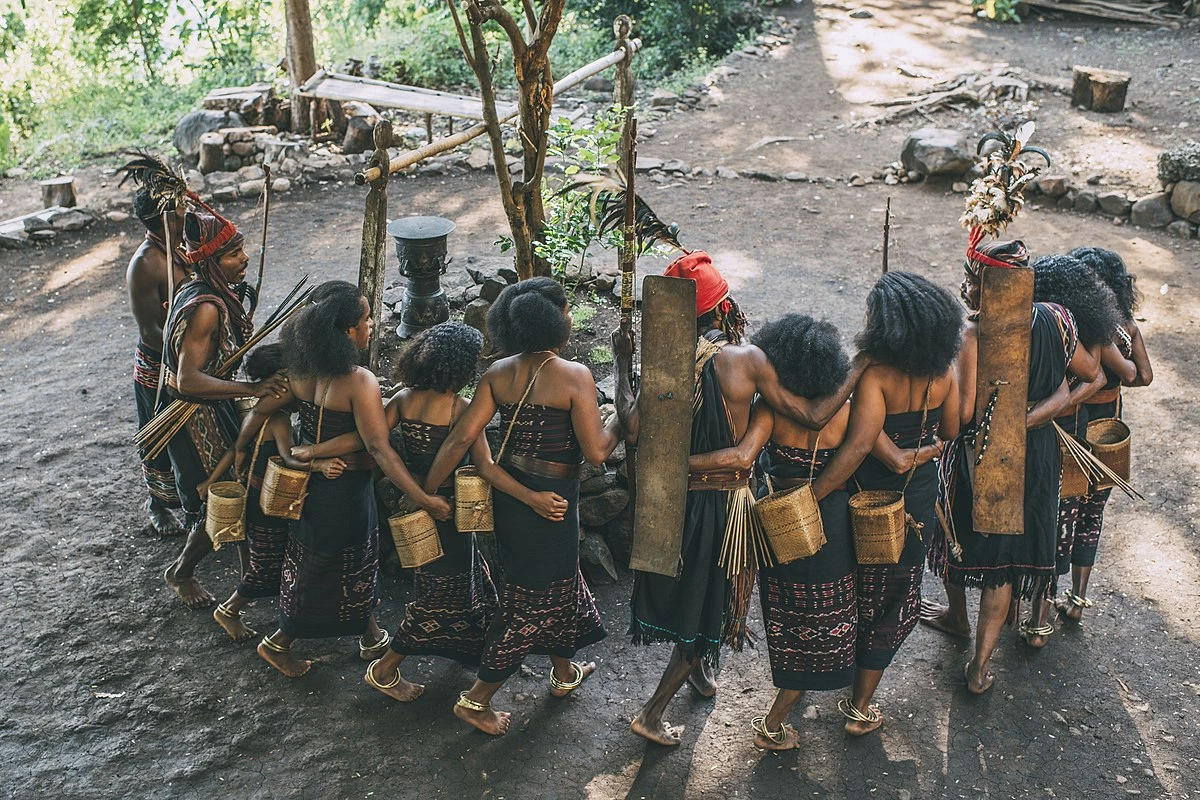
x=225, y=517
x=1074, y=480
x=877, y=520
x=283, y=490
x=791, y=519
x=472, y=501
x=1109, y=440
x=416, y=538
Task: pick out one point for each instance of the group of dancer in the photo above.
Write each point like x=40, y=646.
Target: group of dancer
x=787, y=403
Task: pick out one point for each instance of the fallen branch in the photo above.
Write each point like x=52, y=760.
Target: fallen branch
x=1002, y=84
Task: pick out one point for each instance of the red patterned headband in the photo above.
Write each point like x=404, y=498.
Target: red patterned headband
x=211, y=245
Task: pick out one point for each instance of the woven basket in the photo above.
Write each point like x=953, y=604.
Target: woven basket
x=878, y=522
x=415, y=535
x=791, y=519
x=472, y=501
x=283, y=490
x=1074, y=480
x=225, y=520
x=1109, y=440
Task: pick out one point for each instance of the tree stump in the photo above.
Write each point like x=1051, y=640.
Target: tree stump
x=1100, y=89
x=212, y=152
x=58, y=192
x=359, y=135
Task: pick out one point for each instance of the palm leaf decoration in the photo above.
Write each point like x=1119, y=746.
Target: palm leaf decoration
x=151, y=172
x=607, y=208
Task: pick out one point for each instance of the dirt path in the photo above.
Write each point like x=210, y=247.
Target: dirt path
x=113, y=689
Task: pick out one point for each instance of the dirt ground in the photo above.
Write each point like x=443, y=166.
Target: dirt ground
x=112, y=688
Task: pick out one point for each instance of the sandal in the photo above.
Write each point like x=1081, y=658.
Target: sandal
x=469, y=704
x=568, y=686
x=375, y=684
x=375, y=651
x=759, y=726
x=850, y=712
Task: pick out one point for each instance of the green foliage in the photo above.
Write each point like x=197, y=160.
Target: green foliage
x=582, y=314
x=121, y=33
x=999, y=10
x=600, y=355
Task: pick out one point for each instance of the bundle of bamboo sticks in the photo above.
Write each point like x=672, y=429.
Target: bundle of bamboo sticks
x=1095, y=469
x=745, y=545
x=153, y=437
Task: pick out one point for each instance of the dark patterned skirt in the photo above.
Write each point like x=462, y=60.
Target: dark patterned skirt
x=1079, y=550
x=330, y=568
x=196, y=450
x=453, y=602
x=157, y=473
x=811, y=612
x=546, y=607
x=266, y=541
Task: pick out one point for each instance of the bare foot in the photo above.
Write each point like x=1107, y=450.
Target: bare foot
x=190, y=591
x=858, y=721
x=233, y=625
x=703, y=680
x=1068, y=610
x=375, y=651
x=791, y=740
x=395, y=687
x=163, y=522
x=491, y=722
x=662, y=733
x=586, y=669
x=977, y=683
x=284, y=662
x=939, y=618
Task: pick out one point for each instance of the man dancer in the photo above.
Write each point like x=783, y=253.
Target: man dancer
x=207, y=324
x=701, y=609
x=150, y=286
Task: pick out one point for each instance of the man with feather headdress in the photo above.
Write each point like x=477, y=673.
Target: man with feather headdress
x=150, y=279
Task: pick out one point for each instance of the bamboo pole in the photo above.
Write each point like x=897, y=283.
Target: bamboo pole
x=411, y=157
x=372, y=264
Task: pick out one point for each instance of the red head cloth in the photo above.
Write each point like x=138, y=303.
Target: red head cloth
x=212, y=236
x=995, y=253
x=711, y=288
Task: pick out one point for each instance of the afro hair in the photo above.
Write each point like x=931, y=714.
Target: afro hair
x=807, y=355
x=314, y=341
x=441, y=359
x=264, y=361
x=1062, y=279
x=912, y=324
x=528, y=316
x=1111, y=269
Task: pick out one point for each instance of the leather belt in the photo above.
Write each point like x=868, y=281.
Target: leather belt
x=544, y=469
x=718, y=481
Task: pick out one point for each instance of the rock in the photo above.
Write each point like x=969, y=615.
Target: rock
x=249, y=173
x=937, y=151
x=1185, y=200
x=11, y=242
x=1152, y=211
x=42, y=235
x=230, y=164
x=393, y=296
x=252, y=188
x=432, y=168
x=73, y=220
x=1052, y=185
x=606, y=389
x=219, y=180
x=475, y=315
x=1066, y=202
x=858, y=180
x=619, y=534
x=480, y=158
x=117, y=216
x=242, y=149
x=726, y=172
x=1181, y=229
x=661, y=98
x=603, y=283
x=195, y=124
x=617, y=456
x=281, y=185
x=491, y=288
x=1114, y=203
x=861, y=13
x=891, y=180
x=675, y=165
x=759, y=175
x=598, y=83
x=795, y=177
x=647, y=163
x=598, y=483
x=225, y=193
x=17, y=172
x=594, y=550
x=1086, y=202
x=195, y=180
x=811, y=712
x=597, y=509
x=1180, y=164
x=959, y=187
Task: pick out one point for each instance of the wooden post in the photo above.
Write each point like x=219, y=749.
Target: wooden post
x=623, y=84
x=372, y=265
x=301, y=58
x=1100, y=89
x=58, y=192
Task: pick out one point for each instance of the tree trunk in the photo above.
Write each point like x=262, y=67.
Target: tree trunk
x=58, y=192
x=302, y=58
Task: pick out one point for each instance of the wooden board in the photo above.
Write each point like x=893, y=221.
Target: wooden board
x=1005, y=317
x=665, y=413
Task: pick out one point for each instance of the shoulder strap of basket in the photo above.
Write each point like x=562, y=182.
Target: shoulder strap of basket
x=257, y=444
x=1117, y=413
x=920, y=436
x=512, y=422
x=320, y=420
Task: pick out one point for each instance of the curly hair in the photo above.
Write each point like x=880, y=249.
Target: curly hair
x=145, y=208
x=728, y=316
x=441, y=359
x=912, y=325
x=264, y=361
x=1060, y=278
x=528, y=316
x=807, y=354
x=1111, y=269
x=314, y=341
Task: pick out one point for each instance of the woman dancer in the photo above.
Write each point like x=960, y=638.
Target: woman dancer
x=551, y=423
x=909, y=396
x=330, y=567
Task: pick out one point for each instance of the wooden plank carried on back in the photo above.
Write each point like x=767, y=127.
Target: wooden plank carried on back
x=665, y=427
x=1005, y=317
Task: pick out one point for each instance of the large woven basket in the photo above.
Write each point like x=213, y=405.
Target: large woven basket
x=225, y=519
x=1074, y=480
x=283, y=490
x=791, y=519
x=415, y=535
x=472, y=501
x=1110, y=440
x=877, y=521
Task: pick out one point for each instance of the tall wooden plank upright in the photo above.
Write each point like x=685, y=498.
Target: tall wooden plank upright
x=372, y=264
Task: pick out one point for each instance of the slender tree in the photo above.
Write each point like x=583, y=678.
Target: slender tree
x=301, y=57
